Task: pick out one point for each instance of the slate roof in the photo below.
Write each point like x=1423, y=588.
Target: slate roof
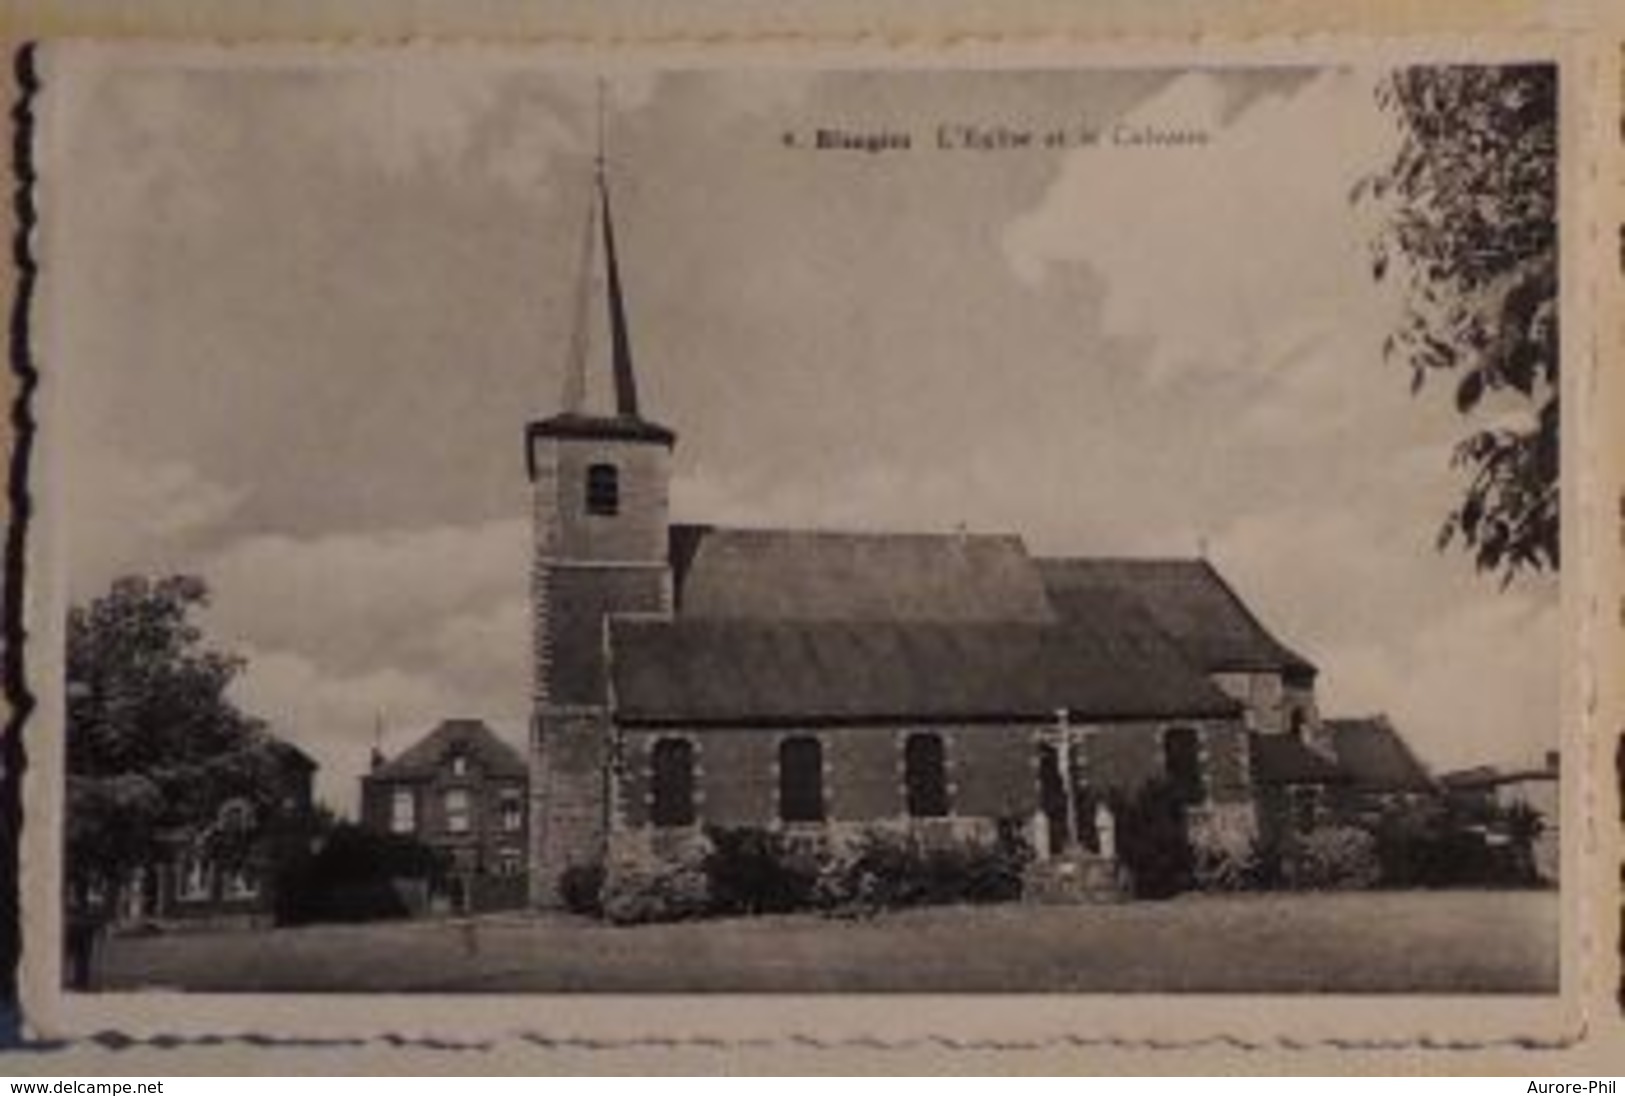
x=1488, y=776
x=800, y=575
x=425, y=757
x=1375, y=757
x=1479, y=776
x=755, y=672
x=1284, y=759
x=1188, y=599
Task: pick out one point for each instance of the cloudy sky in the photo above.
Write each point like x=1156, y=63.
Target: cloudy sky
x=298, y=310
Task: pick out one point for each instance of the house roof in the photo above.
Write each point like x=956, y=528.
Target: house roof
x=1188, y=599
x=755, y=672
x=1374, y=755
x=425, y=757
x=1488, y=776
x=1285, y=759
x=1479, y=776
x=798, y=575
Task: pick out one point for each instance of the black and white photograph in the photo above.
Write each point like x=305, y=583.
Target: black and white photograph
x=525, y=527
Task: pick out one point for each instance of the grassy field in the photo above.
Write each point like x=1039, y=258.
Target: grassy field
x=1355, y=943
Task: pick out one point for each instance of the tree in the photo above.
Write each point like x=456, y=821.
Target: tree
x=1469, y=207
x=157, y=752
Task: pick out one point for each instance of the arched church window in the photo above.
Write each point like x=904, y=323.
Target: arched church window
x=925, y=775
x=1182, y=763
x=801, y=779
x=671, y=764
x=603, y=490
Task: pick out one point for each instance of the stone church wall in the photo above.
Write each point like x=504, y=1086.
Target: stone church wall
x=564, y=529
x=569, y=759
x=1120, y=758
x=991, y=769
x=570, y=654
x=1272, y=700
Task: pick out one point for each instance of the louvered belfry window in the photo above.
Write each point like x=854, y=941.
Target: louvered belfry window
x=801, y=779
x=672, y=782
x=925, y=776
x=603, y=490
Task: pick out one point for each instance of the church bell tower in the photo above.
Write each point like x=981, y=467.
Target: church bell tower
x=599, y=486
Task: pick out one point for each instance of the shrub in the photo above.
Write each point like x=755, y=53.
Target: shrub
x=1224, y=841
x=581, y=886
x=1448, y=848
x=1417, y=850
x=640, y=891
x=1331, y=858
x=751, y=870
x=1152, y=842
x=1223, y=868
x=756, y=871
x=888, y=870
x=353, y=876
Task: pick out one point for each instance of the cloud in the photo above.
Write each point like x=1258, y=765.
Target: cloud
x=1469, y=672
x=1477, y=684
x=407, y=626
x=405, y=118
x=1230, y=256
x=334, y=717
x=361, y=598
x=130, y=515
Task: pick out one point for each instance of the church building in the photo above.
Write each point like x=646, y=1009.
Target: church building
x=824, y=682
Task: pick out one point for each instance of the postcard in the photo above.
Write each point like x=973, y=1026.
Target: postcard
x=984, y=544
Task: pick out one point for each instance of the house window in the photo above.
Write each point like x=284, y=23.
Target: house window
x=925, y=776
x=459, y=764
x=456, y=802
x=801, y=780
x=513, y=812
x=510, y=862
x=1182, y=763
x=193, y=882
x=672, y=782
x=603, y=490
x=403, y=811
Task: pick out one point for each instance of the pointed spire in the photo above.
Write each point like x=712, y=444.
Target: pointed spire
x=575, y=365
x=575, y=417
x=620, y=340
x=626, y=385
x=600, y=220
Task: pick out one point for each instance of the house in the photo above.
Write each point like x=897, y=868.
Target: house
x=827, y=683
x=461, y=791
x=1490, y=798
x=1383, y=773
x=1295, y=785
x=206, y=873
